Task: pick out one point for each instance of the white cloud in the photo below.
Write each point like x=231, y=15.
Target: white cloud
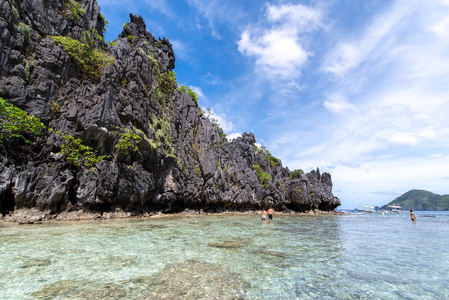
x=303, y=18
x=403, y=139
x=338, y=104
x=234, y=135
x=428, y=134
x=277, y=52
x=226, y=125
x=276, y=43
x=441, y=27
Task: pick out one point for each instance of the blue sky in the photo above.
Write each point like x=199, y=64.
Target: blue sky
x=359, y=89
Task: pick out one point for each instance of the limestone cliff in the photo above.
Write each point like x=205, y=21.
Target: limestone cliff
x=182, y=159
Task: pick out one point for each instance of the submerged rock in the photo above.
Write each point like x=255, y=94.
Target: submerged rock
x=36, y=262
x=53, y=290
x=270, y=253
x=73, y=289
x=192, y=279
x=227, y=244
x=197, y=280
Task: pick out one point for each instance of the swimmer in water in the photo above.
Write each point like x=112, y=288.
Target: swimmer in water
x=270, y=213
x=263, y=215
x=412, y=215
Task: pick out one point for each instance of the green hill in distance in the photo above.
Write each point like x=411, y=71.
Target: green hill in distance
x=421, y=200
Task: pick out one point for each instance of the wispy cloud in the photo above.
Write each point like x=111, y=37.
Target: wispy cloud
x=161, y=6
x=212, y=79
x=338, y=104
x=216, y=12
x=182, y=50
x=352, y=52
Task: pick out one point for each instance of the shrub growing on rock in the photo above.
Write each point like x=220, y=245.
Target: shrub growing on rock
x=76, y=153
x=188, y=90
x=267, y=156
x=17, y=124
x=73, y=9
x=296, y=174
x=167, y=82
x=263, y=177
x=89, y=60
x=128, y=141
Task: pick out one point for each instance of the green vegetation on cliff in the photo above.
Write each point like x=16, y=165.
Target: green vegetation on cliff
x=73, y=9
x=263, y=177
x=267, y=156
x=296, y=174
x=17, y=124
x=421, y=200
x=188, y=90
x=128, y=141
x=76, y=153
x=88, y=58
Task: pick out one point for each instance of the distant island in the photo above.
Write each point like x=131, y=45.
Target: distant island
x=421, y=200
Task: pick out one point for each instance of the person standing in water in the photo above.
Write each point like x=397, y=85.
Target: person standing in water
x=263, y=215
x=270, y=213
x=412, y=215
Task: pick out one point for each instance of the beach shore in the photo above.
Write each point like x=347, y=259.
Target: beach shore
x=34, y=216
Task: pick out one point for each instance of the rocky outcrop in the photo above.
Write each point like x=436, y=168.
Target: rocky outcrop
x=183, y=161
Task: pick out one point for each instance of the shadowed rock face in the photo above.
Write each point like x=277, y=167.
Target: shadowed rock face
x=184, y=161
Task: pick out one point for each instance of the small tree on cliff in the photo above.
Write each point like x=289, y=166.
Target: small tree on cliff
x=76, y=153
x=128, y=141
x=17, y=124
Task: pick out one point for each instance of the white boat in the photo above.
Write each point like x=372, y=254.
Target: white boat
x=366, y=209
x=396, y=209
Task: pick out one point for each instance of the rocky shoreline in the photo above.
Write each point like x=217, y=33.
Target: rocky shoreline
x=34, y=216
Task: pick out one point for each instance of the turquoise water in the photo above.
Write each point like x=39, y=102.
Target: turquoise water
x=229, y=257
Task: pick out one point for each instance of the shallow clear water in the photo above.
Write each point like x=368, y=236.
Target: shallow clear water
x=292, y=257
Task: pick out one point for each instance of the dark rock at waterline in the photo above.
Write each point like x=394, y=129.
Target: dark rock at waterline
x=184, y=161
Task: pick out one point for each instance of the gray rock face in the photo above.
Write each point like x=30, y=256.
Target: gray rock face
x=184, y=161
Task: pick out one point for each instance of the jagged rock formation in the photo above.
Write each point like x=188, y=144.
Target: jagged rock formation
x=183, y=159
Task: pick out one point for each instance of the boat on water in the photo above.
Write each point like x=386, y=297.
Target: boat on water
x=366, y=209
x=395, y=209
